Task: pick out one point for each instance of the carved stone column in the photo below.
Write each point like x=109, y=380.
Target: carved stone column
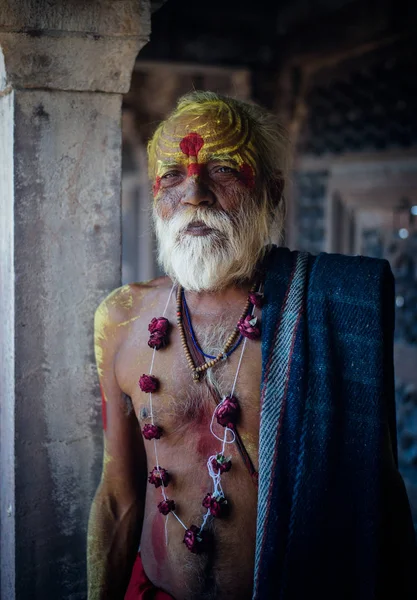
x=63, y=68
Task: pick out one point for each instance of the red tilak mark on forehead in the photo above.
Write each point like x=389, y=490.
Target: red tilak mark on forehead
x=103, y=409
x=156, y=186
x=191, y=144
x=194, y=169
x=247, y=176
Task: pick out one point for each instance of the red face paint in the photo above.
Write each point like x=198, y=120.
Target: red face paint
x=103, y=408
x=156, y=186
x=247, y=176
x=191, y=145
x=194, y=169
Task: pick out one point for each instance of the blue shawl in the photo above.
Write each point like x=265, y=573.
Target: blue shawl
x=333, y=518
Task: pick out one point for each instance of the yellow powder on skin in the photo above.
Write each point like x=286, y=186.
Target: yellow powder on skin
x=251, y=446
x=106, y=456
x=123, y=297
x=124, y=323
x=101, y=321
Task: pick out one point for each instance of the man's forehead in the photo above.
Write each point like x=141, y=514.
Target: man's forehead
x=217, y=132
x=208, y=123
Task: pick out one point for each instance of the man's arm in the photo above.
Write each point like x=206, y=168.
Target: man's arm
x=117, y=511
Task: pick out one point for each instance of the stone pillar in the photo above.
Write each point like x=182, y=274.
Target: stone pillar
x=64, y=65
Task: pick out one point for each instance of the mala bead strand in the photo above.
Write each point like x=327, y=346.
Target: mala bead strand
x=197, y=371
x=187, y=352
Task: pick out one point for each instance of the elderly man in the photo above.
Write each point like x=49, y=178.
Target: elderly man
x=246, y=358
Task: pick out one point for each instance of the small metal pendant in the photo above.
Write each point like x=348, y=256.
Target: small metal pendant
x=196, y=376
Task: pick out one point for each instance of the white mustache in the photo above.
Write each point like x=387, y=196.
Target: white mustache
x=220, y=222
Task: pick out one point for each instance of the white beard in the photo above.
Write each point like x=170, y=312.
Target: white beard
x=227, y=255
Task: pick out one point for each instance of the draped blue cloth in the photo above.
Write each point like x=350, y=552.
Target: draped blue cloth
x=333, y=519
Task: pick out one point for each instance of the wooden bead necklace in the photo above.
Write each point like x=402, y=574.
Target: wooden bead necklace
x=198, y=371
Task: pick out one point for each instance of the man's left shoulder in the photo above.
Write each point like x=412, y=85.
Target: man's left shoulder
x=352, y=275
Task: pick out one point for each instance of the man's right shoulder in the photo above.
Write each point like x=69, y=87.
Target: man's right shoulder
x=127, y=300
x=118, y=311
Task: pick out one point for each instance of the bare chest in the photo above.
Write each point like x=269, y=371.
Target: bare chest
x=182, y=405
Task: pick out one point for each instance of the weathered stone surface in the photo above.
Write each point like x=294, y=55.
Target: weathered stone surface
x=73, y=45
x=106, y=17
x=7, y=345
x=60, y=154
x=67, y=258
x=70, y=62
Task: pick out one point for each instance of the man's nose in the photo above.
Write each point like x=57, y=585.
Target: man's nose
x=197, y=193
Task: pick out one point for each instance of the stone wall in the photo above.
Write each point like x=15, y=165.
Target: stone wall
x=65, y=67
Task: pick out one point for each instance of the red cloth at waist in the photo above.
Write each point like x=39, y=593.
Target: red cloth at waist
x=140, y=588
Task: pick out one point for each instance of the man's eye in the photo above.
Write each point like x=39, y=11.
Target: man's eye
x=225, y=170
x=170, y=174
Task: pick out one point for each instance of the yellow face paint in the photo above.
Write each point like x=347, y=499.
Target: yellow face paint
x=200, y=134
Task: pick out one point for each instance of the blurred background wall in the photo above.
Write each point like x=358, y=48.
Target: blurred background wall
x=342, y=75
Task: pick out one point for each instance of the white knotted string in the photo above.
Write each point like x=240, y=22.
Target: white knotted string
x=205, y=519
x=226, y=429
x=216, y=476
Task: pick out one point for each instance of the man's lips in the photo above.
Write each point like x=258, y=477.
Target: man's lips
x=198, y=228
